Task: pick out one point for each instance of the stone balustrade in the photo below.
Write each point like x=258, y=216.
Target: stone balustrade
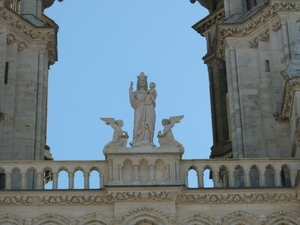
x=224, y=173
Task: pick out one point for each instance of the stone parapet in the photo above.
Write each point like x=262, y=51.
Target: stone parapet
x=147, y=170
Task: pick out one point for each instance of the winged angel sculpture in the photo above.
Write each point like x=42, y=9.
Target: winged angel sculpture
x=166, y=138
x=119, y=137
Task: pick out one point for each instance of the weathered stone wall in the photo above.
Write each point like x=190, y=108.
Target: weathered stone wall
x=151, y=205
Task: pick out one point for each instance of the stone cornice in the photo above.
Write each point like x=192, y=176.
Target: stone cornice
x=257, y=20
x=211, y=20
x=11, y=39
x=249, y=197
x=252, y=24
x=199, y=196
x=30, y=32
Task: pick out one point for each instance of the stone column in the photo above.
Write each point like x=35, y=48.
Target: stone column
x=168, y=172
x=286, y=45
x=293, y=174
x=216, y=178
x=23, y=185
x=54, y=180
x=39, y=182
x=101, y=178
x=86, y=180
x=247, y=179
x=120, y=173
x=71, y=180
x=185, y=178
x=278, y=178
x=231, y=178
x=110, y=170
x=262, y=177
x=40, y=132
x=200, y=179
x=151, y=173
x=7, y=180
x=235, y=108
x=219, y=109
x=135, y=172
x=176, y=170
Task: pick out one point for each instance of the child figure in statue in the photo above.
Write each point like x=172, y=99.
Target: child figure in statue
x=152, y=94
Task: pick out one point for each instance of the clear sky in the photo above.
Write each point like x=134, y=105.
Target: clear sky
x=102, y=47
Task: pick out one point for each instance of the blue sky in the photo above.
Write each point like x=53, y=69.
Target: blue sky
x=102, y=47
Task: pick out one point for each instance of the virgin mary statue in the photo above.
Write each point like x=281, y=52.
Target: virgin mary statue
x=144, y=113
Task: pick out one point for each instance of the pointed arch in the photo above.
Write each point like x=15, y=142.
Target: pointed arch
x=192, y=179
x=285, y=175
x=148, y=214
x=160, y=171
x=144, y=171
x=283, y=217
x=254, y=176
x=46, y=218
x=11, y=218
x=95, y=218
x=239, y=176
x=240, y=217
x=224, y=176
x=196, y=218
x=128, y=171
x=270, y=176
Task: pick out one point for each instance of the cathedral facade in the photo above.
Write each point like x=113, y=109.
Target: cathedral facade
x=253, y=60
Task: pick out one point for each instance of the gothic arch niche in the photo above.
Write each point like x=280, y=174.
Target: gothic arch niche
x=254, y=176
x=239, y=176
x=10, y=219
x=160, y=171
x=2, y=178
x=50, y=219
x=224, y=176
x=240, y=218
x=144, y=171
x=196, y=219
x=94, y=219
x=31, y=178
x=16, y=178
x=127, y=171
x=283, y=218
x=285, y=176
x=94, y=178
x=192, y=178
x=146, y=216
x=270, y=176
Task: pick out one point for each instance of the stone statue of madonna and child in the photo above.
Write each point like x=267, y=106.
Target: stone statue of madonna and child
x=143, y=101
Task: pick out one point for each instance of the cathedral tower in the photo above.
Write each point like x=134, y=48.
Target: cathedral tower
x=250, y=44
x=28, y=48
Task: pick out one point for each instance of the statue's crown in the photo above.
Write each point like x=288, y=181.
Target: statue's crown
x=142, y=75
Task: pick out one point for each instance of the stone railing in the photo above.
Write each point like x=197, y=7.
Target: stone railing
x=224, y=173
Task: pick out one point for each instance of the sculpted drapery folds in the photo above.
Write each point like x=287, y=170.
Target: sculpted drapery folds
x=144, y=113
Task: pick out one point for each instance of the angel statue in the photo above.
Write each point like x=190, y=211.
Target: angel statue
x=166, y=138
x=119, y=137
